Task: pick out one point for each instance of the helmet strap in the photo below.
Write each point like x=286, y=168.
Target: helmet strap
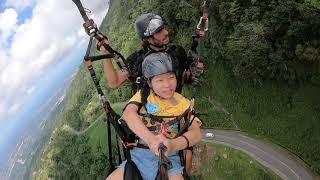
x=149, y=83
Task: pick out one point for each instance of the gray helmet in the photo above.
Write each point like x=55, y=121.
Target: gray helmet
x=155, y=64
x=148, y=24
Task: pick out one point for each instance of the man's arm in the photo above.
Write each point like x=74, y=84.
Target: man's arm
x=113, y=77
x=185, y=63
x=191, y=65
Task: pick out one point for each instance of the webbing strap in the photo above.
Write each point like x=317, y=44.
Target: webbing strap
x=118, y=151
x=111, y=165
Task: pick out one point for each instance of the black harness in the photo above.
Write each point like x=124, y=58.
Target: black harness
x=134, y=63
x=186, y=118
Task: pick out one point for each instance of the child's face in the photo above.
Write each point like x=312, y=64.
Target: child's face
x=164, y=85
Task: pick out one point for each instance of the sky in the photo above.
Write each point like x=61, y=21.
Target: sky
x=41, y=42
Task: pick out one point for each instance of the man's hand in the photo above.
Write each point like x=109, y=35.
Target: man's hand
x=199, y=66
x=201, y=34
x=100, y=46
x=90, y=27
x=196, y=71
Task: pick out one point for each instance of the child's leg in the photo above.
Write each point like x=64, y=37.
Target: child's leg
x=116, y=174
x=176, y=177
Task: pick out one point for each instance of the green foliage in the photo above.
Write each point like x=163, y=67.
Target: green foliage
x=276, y=40
x=228, y=163
x=313, y=3
x=72, y=158
x=98, y=137
x=249, y=46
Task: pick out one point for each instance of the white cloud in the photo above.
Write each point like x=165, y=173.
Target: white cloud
x=2, y=109
x=3, y=59
x=14, y=108
x=53, y=31
x=30, y=90
x=8, y=23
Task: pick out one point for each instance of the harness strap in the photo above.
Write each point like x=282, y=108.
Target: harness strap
x=143, y=146
x=111, y=165
x=160, y=118
x=170, y=123
x=164, y=164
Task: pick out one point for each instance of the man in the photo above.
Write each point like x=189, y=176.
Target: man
x=155, y=37
x=152, y=31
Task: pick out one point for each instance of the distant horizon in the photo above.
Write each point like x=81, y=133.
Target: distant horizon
x=14, y=136
x=41, y=44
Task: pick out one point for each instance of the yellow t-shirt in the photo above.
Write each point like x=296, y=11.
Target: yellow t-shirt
x=157, y=106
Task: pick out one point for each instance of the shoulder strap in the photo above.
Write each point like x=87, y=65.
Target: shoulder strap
x=176, y=119
x=135, y=65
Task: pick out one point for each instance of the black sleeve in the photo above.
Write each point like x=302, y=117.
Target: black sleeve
x=183, y=58
x=130, y=61
x=134, y=65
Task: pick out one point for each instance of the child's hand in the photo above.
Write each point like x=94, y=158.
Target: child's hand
x=171, y=148
x=155, y=142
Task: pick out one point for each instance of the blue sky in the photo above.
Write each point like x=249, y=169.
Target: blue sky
x=41, y=43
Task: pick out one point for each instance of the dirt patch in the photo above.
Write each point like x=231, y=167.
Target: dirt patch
x=201, y=153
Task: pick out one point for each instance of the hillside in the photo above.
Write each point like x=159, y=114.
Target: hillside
x=262, y=77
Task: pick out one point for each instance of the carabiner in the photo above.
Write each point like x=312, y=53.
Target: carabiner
x=206, y=23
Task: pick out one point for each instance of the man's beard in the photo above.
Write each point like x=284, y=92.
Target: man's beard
x=162, y=43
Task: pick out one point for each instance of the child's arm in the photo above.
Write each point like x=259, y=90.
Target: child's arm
x=193, y=136
x=133, y=120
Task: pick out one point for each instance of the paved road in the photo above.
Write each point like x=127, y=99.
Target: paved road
x=271, y=157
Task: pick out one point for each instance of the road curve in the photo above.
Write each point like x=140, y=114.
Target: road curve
x=271, y=157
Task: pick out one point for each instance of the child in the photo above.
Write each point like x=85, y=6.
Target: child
x=157, y=114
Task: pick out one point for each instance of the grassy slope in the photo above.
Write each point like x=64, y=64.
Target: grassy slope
x=229, y=163
x=267, y=112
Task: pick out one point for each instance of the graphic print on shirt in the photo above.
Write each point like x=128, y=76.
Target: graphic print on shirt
x=155, y=109
x=152, y=108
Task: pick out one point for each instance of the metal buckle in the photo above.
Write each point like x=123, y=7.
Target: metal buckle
x=206, y=23
x=138, y=80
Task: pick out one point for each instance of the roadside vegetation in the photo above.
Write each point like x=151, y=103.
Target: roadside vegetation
x=262, y=77
x=228, y=163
